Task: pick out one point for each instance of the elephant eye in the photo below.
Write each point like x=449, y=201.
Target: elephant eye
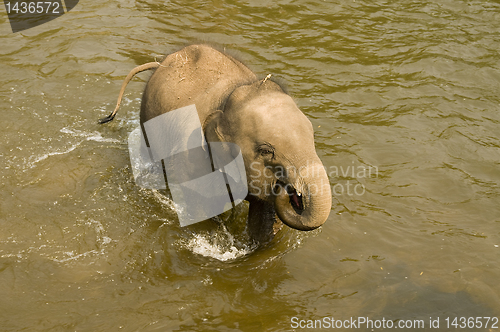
x=266, y=150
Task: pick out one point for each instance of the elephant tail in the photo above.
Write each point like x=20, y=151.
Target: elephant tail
x=133, y=72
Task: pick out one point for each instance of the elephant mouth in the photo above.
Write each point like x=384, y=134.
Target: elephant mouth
x=296, y=198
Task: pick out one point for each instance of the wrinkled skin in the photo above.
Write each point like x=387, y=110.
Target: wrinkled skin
x=286, y=179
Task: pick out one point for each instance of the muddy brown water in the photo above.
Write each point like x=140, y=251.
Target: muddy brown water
x=405, y=93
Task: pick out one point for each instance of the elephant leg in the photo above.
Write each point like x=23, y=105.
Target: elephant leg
x=262, y=221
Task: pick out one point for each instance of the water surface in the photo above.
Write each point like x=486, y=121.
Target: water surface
x=408, y=89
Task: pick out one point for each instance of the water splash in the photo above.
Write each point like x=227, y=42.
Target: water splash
x=219, y=244
x=82, y=136
x=88, y=136
x=33, y=160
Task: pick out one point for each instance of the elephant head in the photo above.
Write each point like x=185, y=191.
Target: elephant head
x=285, y=175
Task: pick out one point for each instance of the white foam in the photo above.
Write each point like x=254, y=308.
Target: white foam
x=89, y=136
x=221, y=245
x=35, y=160
x=72, y=255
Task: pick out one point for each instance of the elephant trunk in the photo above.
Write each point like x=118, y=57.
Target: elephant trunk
x=304, y=203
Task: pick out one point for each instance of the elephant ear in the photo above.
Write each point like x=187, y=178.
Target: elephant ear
x=211, y=127
x=213, y=130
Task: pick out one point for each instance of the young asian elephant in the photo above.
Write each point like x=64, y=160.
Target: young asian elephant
x=286, y=179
